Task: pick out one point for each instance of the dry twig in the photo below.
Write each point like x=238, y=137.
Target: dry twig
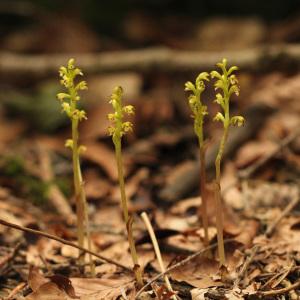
x=63, y=241
x=157, y=251
x=279, y=291
x=245, y=266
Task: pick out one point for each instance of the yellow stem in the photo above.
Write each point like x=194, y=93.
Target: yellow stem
x=86, y=221
x=128, y=220
x=218, y=200
x=78, y=199
x=81, y=206
x=203, y=193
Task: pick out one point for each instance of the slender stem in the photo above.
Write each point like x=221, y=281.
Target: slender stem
x=128, y=220
x=78, y=198
x=219, y=209
x=86, y=220
x=157, y=251
x=81, y=205
x=119, y=158
x=203, y=193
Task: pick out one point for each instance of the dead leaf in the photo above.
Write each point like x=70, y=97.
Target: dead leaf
x=102, y=156
x=132, y=185
x=109, y=288
x=35, y=278
x=64, y=284
x=252, y=151
x=48, y=291
x=198, y=273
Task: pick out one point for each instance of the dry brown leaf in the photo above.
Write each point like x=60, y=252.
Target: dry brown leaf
x=198, y=273
x=96, y=187
x=102, y=288
x=58, y=287
x=35, y=278
x=119, y=251
x=48, y=291
x=132, y=185
x=102, y=156
x=249, y=229
x=252, y=151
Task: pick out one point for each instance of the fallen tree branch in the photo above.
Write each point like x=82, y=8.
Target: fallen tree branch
x=150, y=59
x=63, y=241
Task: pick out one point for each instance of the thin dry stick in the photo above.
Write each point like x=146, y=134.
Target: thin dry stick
x=63, y=241
x=245, y=266
x=157, y=251
x=280, y=291
x=179, y=264
x=284, y=213
x=16, y=290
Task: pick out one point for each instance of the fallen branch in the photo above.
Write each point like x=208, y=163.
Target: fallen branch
x=179, y=264
x=63, y=241
x=150, y=59
x=279, y=291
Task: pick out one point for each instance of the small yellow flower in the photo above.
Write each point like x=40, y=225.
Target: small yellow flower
x=118, y=127
x=227, y=82
x=68, y=100
x=198, y=109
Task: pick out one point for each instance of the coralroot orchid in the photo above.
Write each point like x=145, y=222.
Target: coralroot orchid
x=199, y=111
x=117, y=130
x=228, y=84
x=69, y=102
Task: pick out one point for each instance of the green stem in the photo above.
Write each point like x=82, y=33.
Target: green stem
x=219, y=214
x=81, y=206
x=203, y=193
x=86, y=220
x=76, y=171
x=128, y=220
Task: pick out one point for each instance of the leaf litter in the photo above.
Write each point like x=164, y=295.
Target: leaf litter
x=156, y=157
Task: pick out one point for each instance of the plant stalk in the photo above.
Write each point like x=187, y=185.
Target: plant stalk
x=81, y=205
x=128, y=220
x=218, y=200
x=203, y=193
x=77, y=185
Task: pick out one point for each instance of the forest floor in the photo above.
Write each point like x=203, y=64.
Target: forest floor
x=260, y=190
